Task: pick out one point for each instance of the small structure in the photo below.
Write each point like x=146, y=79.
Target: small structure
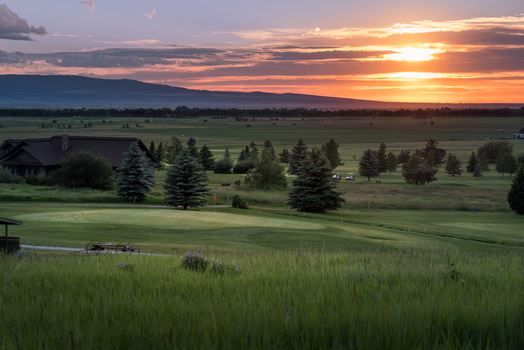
x=519, y=135
x=9, y=244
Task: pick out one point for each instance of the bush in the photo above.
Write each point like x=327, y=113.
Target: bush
x=238, y=202
x=194, y=261
x=223, y=166
x=7, y=178
x=39, y=180
x=85, y=170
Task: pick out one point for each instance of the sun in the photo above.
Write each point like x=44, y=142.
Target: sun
x=412, y=54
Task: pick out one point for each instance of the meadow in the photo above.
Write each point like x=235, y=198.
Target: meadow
x=398, y=266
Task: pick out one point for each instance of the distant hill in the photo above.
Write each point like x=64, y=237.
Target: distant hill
x=60, y=91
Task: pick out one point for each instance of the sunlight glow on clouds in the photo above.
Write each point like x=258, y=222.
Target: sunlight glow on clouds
x=470, y=60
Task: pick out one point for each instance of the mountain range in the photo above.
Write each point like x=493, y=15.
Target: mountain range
x=64, y=91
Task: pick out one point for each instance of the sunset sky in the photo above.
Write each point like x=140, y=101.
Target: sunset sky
x=391, y=50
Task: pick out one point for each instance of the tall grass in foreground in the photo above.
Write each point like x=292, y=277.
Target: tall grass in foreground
x=300, y=300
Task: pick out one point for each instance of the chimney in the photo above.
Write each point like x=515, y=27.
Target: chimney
x=65, y=142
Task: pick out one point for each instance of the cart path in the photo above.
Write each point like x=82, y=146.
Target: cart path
x=81, y=250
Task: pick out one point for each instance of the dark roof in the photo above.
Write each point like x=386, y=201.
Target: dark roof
x=49, y=151
x=4, y=221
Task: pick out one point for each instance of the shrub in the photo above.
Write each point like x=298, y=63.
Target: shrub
x=85, y=170
x=194, y=261
x=7, y=178
x=238, y=202
x=39, y=180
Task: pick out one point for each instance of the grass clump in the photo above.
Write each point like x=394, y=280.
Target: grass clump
x=195, y=261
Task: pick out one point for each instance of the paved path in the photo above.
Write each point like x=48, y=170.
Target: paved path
x=81, y=250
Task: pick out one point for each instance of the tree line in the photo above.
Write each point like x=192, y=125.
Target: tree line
x=184, y=111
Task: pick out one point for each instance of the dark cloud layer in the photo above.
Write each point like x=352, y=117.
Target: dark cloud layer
x=13, y=27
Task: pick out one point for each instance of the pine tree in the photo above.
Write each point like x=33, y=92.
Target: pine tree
x=206, y=158
x=453, y=165
x=516, y=193
x=477, y=172
x=224, y=165
x=185, y=183
x=433, y=155
x=313, y=190
x=298, y=155
x=417, y=171
x=368, y=165
x=330, y=150
x=269, y=146
x=381, y=158
x=506, y=163
x=173, y=149
x=135, y=177
x=391, y=162
x=472, y=163
x=403, y=156
x=160, y=153
x=191, y=146
x=268, y=172
x=284, y=156
x=152, y=149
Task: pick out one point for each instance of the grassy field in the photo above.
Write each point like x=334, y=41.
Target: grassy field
x=399, y=266
x=302, y=300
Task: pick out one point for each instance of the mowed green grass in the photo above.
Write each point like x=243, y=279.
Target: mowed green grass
x=223, y=229
x=381, y=299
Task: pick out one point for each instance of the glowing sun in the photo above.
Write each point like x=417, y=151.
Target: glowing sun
x=412, y=54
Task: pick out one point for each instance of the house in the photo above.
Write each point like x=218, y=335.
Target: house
x=519, y=135
x=27, y=157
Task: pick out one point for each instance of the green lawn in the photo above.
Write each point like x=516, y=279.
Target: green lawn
x=222, y=229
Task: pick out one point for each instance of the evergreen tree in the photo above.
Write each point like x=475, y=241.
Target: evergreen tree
x=152, y=148
x=516, y=193
x=253, y=151
x=268, y=172
x=135, y=177
x=472, y=163
x=246, y=160
x=403, y=156
x=391, y=162
x=477, y=172
x=185, y=183
x=417, y=171
x=330, y=150
x=173, y=149
x=433, y=155
x=381, y=158
x=269, y=146
x=298, y=155
x=313, y=191
x=206, y=158
x=453, y=165
x=191, y=146
x=368, y=165
x=224, y=165
x=160, y=153
x=284, y=156
x=506, y=163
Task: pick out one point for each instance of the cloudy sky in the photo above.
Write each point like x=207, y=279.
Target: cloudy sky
x=393, y=50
